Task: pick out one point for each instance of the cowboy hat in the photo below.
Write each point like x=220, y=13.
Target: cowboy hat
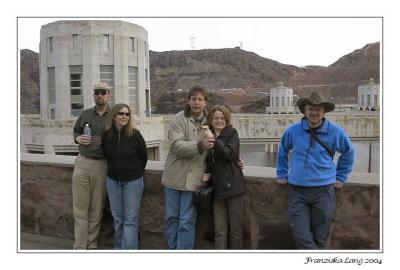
x=315, y=98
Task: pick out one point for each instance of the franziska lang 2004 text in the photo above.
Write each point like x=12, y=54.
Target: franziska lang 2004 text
x=340, y=260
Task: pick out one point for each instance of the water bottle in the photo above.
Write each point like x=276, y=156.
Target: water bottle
x=86, y=130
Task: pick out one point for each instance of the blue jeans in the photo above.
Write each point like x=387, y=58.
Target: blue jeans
x=180, y=219
x=311, y=210
x=125, y=200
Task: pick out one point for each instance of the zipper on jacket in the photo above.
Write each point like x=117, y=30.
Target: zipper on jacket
x=119, y=139
x=119, y=142
x=117, y=154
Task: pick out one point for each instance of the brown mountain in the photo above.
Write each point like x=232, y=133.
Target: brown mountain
x=246, y=72
x=342, y=78
x=234, y=76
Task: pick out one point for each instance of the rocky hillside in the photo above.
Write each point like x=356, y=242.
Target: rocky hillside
x=29, y=80
x=234, y=76
x=214, y=69
x=231, y=71
x=342, y=78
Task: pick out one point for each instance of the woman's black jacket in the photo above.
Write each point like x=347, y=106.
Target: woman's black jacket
x=227, y=177
x=126, y=156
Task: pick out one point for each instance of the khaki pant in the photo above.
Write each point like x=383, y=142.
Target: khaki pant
x=228, y=222
x=88, y=194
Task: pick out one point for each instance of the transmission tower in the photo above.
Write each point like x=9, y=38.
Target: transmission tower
x=192, y=40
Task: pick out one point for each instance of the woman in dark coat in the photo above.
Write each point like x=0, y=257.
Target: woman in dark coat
x=227, y=180
x=126, y=154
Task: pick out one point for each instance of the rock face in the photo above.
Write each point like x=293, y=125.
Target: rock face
x=238, y=69
x=29, y=82
x=225, y=71
x=46, y=208
x=341, y=78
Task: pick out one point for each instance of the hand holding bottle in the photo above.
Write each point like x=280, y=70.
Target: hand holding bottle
x=84, y=139
x=208, y=142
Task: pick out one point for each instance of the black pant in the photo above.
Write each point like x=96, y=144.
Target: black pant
x=229, y=222
x=311, y=210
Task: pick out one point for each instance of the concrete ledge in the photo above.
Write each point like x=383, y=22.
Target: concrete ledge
x=55, y=160
x=154, y=166
x=29, y=241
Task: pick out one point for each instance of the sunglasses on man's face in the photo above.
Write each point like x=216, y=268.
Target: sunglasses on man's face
x=123, y=113
x=100, y=92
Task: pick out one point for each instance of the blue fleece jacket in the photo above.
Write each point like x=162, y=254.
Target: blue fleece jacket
x=310, y=163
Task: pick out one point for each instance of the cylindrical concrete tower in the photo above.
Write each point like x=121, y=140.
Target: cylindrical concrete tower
x=281, y=99
x=75, y=55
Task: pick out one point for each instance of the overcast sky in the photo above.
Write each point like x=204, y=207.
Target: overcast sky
x=295, y=41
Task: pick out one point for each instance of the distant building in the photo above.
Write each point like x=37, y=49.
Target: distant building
x=368, y=96
x=75, y=55
x=281, y=100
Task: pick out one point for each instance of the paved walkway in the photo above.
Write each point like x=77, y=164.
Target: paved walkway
x=41, y=242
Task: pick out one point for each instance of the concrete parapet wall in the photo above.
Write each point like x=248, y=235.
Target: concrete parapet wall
x=50, y=133
x=274, y=125
x=46, y=208
x=252, y=128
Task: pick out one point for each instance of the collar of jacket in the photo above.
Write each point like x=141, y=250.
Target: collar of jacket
x=323, y=129
x=225, y=132
x=122, y=131
x=93, y=109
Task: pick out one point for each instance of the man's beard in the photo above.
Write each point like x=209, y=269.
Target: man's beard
x=100, y=102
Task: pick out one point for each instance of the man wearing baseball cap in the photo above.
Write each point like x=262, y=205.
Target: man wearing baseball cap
x=312, y=174
x=89, y=176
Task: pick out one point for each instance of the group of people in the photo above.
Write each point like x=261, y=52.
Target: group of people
x=113, y=157
x=191, y=156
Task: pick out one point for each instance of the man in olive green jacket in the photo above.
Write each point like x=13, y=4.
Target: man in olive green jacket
x=184, y=169
x=89, y=177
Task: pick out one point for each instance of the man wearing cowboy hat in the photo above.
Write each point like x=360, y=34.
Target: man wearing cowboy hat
x=313, y=175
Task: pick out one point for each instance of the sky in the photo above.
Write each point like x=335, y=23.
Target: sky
x=294, y=41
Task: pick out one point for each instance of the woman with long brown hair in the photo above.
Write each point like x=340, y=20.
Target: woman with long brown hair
x=227, y=180
x=126, y=154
